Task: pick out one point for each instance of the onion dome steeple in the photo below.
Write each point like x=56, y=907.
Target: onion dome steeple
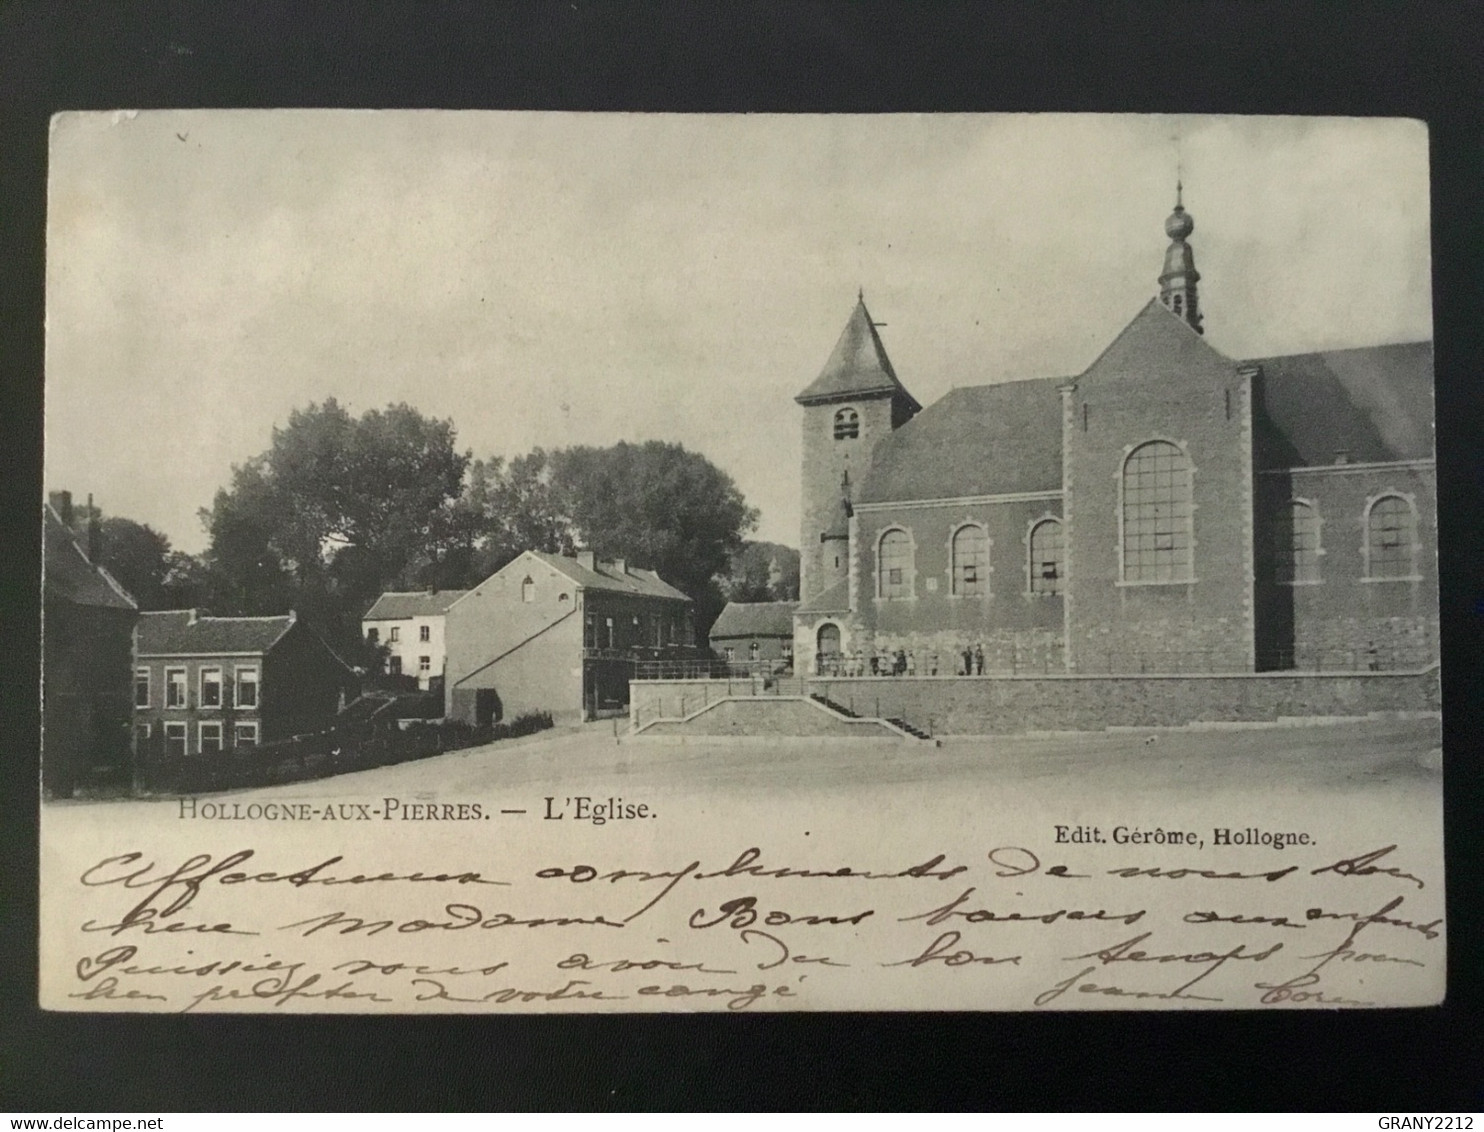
x=1177, y=283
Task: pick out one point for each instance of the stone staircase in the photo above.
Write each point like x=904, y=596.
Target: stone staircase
x=907, y=727
x=895, y=721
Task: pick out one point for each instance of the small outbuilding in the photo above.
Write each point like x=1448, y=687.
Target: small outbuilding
x=756, y=633
x=561, y=634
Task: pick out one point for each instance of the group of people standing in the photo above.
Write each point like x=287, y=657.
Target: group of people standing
x=904, y=662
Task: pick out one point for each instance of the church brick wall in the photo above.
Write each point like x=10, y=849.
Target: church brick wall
x=1342, y=620
x=1166, y=386
x=1016, y=629
x=998, y=705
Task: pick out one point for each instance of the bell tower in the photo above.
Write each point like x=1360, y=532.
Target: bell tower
x=854, y=402
x=1177, y=283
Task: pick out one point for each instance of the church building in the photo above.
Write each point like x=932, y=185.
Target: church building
x=1166, y=510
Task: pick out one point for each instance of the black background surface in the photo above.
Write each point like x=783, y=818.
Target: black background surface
x=1404, y=59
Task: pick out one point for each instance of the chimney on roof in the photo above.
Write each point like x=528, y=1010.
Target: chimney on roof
x=95, y=531
x=190, y=616
x=621, y=565
x=61, y=502
x=293, y=616
x=432, y=590
x=586, y=560
x=1342, y=456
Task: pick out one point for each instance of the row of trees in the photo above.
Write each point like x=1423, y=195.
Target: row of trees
x=340, y=509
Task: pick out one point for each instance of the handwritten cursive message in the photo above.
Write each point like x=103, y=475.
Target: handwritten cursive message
x=1036, y=924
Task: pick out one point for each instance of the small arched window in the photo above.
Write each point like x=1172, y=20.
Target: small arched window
x=847, y=424
x=528, y=589
x=1296, y=543
x=894, y=565
x=1046, y=557
x=970, y=561
x=1157, y=513
x=1391, y=538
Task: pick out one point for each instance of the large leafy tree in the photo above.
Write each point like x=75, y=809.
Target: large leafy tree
x=336, y=510
x=762, y=571
x=656, y=504
x=138, y=556
x=659, y=505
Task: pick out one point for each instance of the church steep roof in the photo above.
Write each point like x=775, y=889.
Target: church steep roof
x=977, y=440
x=1374, y=404
x=857, y=366
x=836, y=599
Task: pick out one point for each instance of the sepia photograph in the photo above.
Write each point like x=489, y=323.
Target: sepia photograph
x=585, y=562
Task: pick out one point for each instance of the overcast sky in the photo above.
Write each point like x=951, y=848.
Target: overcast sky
x=555, y=279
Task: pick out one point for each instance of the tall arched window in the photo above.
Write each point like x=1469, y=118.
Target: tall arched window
x=970, y=561
x=1046, y=557
x=894, y=565
x=1391, y=538
x=1157, y=511
x=847, y=424
x=528, y=589
x=1296, y=543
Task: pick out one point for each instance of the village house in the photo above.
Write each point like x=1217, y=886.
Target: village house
x=410, y=627
x=86, y=640
x=755, y=634
x=1169, y=509
x=203, y=685
x=559, y=634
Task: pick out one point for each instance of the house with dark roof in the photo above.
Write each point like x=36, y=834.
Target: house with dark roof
x=550, y=632
x=86, y=636
x=204, y=685
x=756, y=633
x=1168, y=509
x=409, y=626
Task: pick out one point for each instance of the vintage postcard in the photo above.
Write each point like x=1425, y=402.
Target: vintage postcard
x=513, y=562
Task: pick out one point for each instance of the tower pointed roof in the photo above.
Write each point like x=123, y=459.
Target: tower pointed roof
x=858, y=365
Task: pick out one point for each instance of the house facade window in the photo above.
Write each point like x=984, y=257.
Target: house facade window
x=211, y=687
x=142, y=732
x=894, y=565
x=175, y=738
x=1046, y=557
x=528, y=589
x=1157, y=512
x=247, y=687
x=1391, y=539
x=1296, y=544
x=424, y=633
x=141, y=687
x=970, y=554
x=245, y=734
x=373, y=635
x=394, y=665
x=424, y=665
x=394, y=634
x=209, y=737
x=175, y=688
x=847, y=424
